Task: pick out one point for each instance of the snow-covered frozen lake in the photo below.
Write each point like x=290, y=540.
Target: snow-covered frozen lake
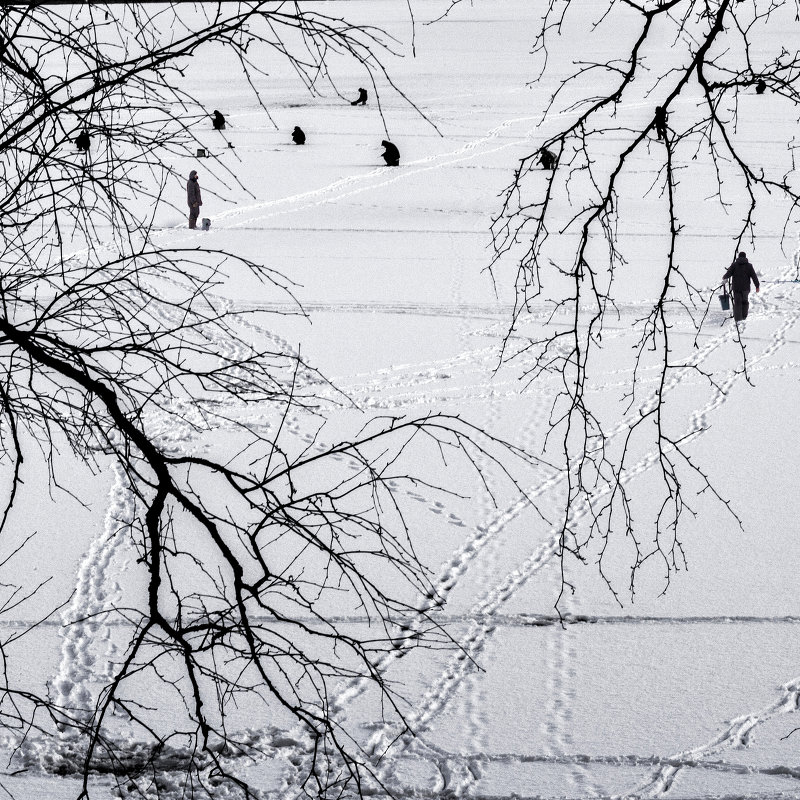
x=685, y=694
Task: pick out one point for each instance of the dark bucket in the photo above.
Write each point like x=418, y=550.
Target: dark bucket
x=206, y=224
x=725, y=301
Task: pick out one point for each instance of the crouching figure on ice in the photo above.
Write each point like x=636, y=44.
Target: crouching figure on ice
x=218, y=121
x=391, y=155
x=361, y=100
x=547, y=159
x=82, y=141
x=741, y=272
x=661, y=123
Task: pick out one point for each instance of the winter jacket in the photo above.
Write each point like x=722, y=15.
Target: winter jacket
x=193, y=195
x=742, y=273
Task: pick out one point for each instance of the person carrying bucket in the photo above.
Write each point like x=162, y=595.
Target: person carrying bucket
x=741, y=272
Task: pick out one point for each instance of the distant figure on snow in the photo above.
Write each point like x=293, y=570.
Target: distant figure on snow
x=193, y=198
x=741, y=272
x=547, y=159
x=391, y=155
x=298, y=137
x=82, y=141
x=218, y=121
x=761, y=86
x=661, y=122
x=361, y=100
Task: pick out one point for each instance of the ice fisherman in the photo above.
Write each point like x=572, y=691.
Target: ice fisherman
x=361, y=100
x=193, y=198
x=82, y=141
x=761, y=86
x=391, y=155
x=298, y=135
x=547, y=159
x=741, y=272
x=661, y=122
x=218, y=121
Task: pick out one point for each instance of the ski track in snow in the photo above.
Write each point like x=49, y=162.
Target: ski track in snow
x=352, y=185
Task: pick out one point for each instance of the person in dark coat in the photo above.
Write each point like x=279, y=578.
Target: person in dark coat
x=361, y=100
x=391, y=155
x=218, y=121
x=194, y=198
x=661, y=122
x=82, y=141
x=298, y=137
x=761, y=86
x=741, y=273
x=546, y=159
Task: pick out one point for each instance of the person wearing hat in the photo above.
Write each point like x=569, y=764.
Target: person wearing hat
x=194, y=198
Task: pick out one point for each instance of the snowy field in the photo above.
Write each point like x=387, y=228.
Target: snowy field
x=690, y=693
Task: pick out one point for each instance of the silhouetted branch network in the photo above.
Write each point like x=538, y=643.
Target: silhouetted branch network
x=254, y=555
x=673, y=96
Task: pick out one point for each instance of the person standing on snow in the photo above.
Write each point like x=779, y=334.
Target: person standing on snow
x=194, y=198
x=741, y=272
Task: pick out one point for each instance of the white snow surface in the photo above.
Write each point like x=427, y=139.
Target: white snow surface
x=686, y=694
